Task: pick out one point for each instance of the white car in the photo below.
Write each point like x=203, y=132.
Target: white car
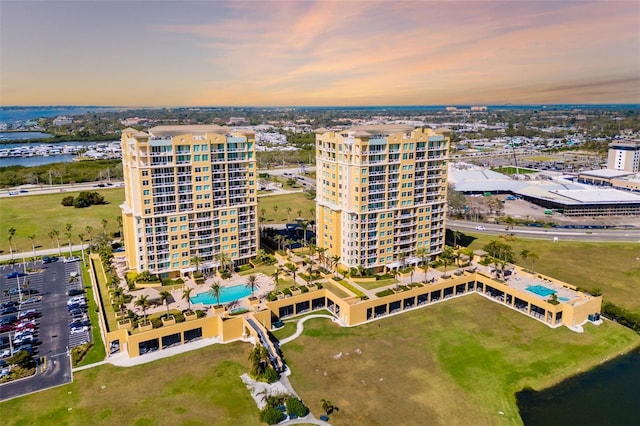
x=480, y=228
x=76, y=330
x=71, y=259
x=5, y=353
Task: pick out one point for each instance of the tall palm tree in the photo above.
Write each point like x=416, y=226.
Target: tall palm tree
x=165, y=296
x=104, y=223
x=81, y=237
x=252, y=283
x=186, y=295
x=423, y=254
x=276, y=275
x=143, y=302
x=51, y=236
x=57, y=235
x=533, y=257
x=402, y=257
x=275, y=210
x=119, y=222
x=524, y=254
x=89, y=230
x=289, y=214
x=12, y=232
x=305, y=226
x=456, y=235
x=215, y=291
x=32, y=237
x=447, y=257
x=292, y=268
x=223, y=260
x=335, y=259
x=299, y=213
x=196, y=261
x=68, y=227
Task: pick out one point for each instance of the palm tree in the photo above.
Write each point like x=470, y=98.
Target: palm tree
x=223, y=260
x=276, y=275
x=402, y=257
x=533, y=257
x=119, y=222
x=89, y=229
x=328, y=407
x=51, y=236
x=456, y=235
x=524, y=254
x=32, y=237
x=165, y=296
x=292, y=268
x=12, y=232
x=335, y=259
x=423, y=254
x=215, y=292
x=299, y=213
x=186, y=295
x=289, y=214
x=275, y=210
x=196, y=261
x=57, y=235
x=447, y=257
x=104, y=223
x=252, y=283
x=143, y=302
x=68, y=227
x=81, y=236
x=305, y=226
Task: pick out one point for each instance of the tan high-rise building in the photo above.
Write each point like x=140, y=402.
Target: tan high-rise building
x=624, y=155
x=381, y=194
x=190, y=191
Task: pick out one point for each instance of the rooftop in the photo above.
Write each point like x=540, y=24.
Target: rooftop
x=196, y=129
x=606, y=173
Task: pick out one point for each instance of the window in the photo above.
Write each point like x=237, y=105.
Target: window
x=146, y=192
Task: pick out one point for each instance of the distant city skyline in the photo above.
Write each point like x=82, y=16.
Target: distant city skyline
x=318, y=53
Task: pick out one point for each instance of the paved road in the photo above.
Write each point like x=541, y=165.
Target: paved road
x=593, y=235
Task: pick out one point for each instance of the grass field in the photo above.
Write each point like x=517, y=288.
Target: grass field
x=202, y=387
x=39, y=214
x=611, y=267
x=458, y=362
x=372, y=285
x=97, y=352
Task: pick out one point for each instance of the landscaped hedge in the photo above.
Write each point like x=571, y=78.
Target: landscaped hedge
x=621, y=316
x=383, y=293
x=296, y=407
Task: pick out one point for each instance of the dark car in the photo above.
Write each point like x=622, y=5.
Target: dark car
x=9, y=310
x=10, y=320
x=27, y=347
x=31, y=291
x=74, y=292
x=76, y=312
x=75, y=324
x=9, y=304
x=46, y=259
x=15, y=274
x=77, y=306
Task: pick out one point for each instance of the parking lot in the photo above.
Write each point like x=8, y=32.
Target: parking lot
x=44, y=289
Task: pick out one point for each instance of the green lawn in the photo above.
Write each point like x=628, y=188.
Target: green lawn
x=612, y=267
x=376, y=284
x=458, y=362
x=112, y=324
x=297, y=201
x=39, y=214
x=201, y=387
x=335, y=289
x=97, y=352
x=264, y=269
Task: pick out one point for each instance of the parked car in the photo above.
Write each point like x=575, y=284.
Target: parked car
x=74, y=292
x=5, y=353
x=9, y=310
x=6, y=327
x=32, y=299
x=26, y=340
x=77, y=330
x=23, y=333
x=77, y=299
x=27, y=348
x=9, y=304
x=10, y=320
x=25, y=326
x=77, y=323
x=29, y=313
x=77, y=311
x=5, y=372
x=15, y=274
x=71, y=259
x=46, y=259
x=76, y=306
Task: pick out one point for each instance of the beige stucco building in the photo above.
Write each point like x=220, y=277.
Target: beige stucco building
x=624, y=155
x=381, y=194
x=189, y=191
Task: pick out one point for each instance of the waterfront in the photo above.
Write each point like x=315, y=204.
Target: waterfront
x=607, y=394
x=16, y=136
x=36, y=154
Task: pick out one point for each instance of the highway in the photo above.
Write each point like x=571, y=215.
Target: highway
x=590, y=235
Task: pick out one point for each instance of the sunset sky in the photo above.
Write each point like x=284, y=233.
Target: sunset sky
x=350, y=52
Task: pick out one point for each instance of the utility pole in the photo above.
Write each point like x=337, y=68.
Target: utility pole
x=50, y=184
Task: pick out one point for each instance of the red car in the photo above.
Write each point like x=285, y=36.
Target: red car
x=29, y=313
x=25, y=326
x=5, y=327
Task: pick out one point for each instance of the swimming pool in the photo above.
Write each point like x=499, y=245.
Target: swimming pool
x=540, y=290
x=227, y=294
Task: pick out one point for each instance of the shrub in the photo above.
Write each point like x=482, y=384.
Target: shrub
x=67, y=201
x=270, y=375
x=384, y=293
x=200, y=313
x=179, y=317
x=271, y=416
x=295, y=406
x=243, y=268
x=304, y=289
x=287, y=292
x=156, y=322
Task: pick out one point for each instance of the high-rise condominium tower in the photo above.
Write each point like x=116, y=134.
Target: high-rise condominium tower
x=191, y=198
x=381, y=194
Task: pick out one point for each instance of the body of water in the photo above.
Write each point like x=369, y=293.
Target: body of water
x=16, y=136
x=18, y=114
x=606, y=395
x=35, y=161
